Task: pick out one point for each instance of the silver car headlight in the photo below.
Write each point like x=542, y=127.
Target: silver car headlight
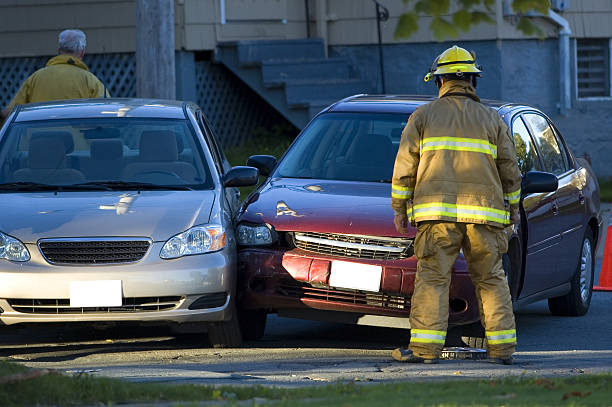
x=197, y=240
x=255, y=235
x=12, y=249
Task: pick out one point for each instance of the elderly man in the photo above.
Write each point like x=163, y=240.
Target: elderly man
x=64, y=77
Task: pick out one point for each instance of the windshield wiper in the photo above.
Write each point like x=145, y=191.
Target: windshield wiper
x=119, y=185
x=29, y=186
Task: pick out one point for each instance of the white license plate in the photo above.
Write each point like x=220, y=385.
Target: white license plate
x=345, y=274
x=101, y=293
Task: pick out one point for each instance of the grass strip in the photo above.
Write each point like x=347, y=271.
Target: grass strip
x=63, y=390
x=274, y=143
x=605, y=188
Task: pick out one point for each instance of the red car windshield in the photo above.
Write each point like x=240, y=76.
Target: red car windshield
x=346, y=147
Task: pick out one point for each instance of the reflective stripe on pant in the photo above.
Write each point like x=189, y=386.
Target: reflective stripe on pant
x=436, y=247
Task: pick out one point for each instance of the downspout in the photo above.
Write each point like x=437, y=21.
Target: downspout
x=564, y=61
x=322, y=22
x=222, y=17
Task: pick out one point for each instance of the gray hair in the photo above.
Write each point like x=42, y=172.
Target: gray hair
x=72, y=41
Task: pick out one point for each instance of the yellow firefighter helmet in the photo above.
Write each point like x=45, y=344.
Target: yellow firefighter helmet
x=455, y=60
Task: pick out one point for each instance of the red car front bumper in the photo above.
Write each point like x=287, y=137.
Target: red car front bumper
x=275, y=279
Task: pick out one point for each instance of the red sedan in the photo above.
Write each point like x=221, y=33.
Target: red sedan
x=317, y=239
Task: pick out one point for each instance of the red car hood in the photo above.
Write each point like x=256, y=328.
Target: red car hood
x=361, y=208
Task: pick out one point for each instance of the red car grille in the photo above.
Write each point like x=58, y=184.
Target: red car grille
x=354, y=246
x=62, y=306
x=381, y=300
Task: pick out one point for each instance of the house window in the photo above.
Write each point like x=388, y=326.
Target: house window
x=593, y=67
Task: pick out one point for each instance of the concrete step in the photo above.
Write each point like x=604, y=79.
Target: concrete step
x=277, y=72
x=302, y=93
x=254, y=52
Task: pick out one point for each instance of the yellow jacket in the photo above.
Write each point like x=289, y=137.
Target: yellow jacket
x=456, y=162
x=64, y=77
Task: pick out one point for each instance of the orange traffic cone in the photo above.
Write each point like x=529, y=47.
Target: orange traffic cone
x=605, y=276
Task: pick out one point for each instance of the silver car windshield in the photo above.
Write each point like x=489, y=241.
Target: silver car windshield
x=346, y=147
x=110, y=153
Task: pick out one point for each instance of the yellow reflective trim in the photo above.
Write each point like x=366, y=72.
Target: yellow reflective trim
x=495, y=333
x=401, y=188
x=454, y=148
x=454, y=143
x=398, y=196
x=459, y=140
x=458, y=206
x=428, y=332
x=423, y=340
x=460, y=216
x=498, y=341
x=513, y=197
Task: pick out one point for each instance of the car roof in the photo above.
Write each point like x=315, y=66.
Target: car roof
x=393, y=103
x=101, y=108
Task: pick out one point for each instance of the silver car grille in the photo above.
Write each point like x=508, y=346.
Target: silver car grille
x=355, y=246
x=62, y=306
x=93, y=251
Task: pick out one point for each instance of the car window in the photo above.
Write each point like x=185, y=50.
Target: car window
x=553, y=156
x=525, y=152
x=216, y=152
x=346, y=146
x=162, y=152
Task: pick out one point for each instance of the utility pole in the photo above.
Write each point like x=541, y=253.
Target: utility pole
x=155, y=67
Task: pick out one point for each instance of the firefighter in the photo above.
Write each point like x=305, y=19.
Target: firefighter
x=64, y=77
x=457, y=179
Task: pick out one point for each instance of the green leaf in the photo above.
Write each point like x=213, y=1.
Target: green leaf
x=489, y=4
x=467, y=4
x=439, y=7
x=442, y=29
x=462, y=20
x=422, y=7
x=481, y=17
x=528, y=28
x=407, y=25
x=525, y=6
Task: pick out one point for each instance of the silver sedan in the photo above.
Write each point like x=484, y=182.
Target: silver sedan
x=118, y=210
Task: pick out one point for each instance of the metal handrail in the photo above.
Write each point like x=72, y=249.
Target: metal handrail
x=382, y=14
x=307, y=18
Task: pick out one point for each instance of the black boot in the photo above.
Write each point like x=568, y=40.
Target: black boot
x=406, y=355
x=502, y=361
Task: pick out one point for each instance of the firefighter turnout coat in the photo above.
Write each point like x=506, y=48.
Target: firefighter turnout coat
x=456, y=162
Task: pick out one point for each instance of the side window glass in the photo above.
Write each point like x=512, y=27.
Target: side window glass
x=210, y=143
x=564, y=153
x=551, y=153
x=525, y=153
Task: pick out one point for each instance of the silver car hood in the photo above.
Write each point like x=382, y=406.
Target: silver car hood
x=158, y=215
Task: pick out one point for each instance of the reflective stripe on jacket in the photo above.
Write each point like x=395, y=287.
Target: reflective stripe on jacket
x=64, y=77
x=456, y=162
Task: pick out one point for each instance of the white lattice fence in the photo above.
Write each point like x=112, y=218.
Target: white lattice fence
x=13, y=71
x=116, y=71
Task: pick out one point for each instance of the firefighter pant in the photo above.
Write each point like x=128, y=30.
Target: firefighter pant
x=436, y=247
